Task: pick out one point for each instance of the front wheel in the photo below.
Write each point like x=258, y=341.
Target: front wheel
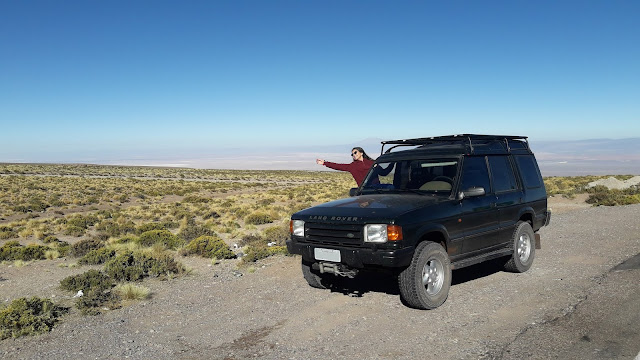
x=524, y=249
x=425, y=283
x=314, y=278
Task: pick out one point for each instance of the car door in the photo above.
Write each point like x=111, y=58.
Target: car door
x=479, y=217
x=508, y=193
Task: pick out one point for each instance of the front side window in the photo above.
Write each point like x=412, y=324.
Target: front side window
x=429, y=175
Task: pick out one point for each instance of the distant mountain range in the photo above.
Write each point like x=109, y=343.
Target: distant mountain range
x=556, y=158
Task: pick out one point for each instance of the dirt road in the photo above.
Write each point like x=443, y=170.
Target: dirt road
x=570, y=305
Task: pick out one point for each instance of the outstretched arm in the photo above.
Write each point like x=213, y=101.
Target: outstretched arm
x=334, y=166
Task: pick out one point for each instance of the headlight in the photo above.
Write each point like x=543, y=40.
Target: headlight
x=381, y=233
x=296, y=227
x=375, y=233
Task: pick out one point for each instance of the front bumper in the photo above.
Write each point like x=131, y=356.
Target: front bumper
x=357, y=257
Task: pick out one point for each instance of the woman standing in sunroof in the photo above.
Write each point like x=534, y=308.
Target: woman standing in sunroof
x=358, y=168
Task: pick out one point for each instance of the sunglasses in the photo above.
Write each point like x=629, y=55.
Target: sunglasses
x=354, y=153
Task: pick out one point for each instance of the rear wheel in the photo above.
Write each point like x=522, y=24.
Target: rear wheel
x=524, y=249
x=425, y=283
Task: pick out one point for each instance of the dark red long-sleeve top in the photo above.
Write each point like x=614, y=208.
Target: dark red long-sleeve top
x=358, y=169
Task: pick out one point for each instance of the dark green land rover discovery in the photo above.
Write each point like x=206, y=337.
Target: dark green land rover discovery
x=443, y=203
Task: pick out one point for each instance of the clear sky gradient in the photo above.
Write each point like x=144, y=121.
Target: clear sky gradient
x=107, y=80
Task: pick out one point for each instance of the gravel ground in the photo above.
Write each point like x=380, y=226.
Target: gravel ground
x=271, y=313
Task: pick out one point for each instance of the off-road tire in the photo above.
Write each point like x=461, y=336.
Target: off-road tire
x=425, y=283
x=524, y=249
x=314, y=279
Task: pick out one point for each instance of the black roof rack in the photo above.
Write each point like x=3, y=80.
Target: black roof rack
x=463, y=139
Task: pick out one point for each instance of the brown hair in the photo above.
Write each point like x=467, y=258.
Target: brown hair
x=364, y=154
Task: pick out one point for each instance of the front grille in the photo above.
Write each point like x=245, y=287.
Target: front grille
x=333, y=234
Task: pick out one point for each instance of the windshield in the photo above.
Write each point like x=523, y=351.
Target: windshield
x=424, y=176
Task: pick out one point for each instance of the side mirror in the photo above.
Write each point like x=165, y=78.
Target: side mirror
x=353, y=191
x=474, y=191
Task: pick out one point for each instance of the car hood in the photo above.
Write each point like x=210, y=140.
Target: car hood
x=367, y=207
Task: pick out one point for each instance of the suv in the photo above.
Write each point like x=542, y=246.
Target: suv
x=444, y=203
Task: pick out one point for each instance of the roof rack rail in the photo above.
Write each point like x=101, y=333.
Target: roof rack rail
x=465, y=139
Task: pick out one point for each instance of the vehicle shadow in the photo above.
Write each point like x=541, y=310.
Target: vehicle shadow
x=383, y=282
x=364, y=282
x=477, y=271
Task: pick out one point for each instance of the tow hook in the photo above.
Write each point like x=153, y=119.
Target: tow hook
x=337, y=269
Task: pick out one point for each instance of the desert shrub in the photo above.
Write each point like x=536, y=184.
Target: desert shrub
x=20, y=208
x=210, y=215
x=82, y=247
x=252, y=239
x=150, y=226
x=601, y=195
x=74, y=231
x=209, y=247
x=9, y=250
x=238, y=211
x=7, y=232
x=12, y=250
x=82, y=221
x=34, y=252
x=266, y=202
x=193, y=231
x=229, y=226
x=195, y=199
x=179, y=213
x=29, y=317
x=50, y=239
x=278, y=234
x=256, y=252
x=297, y=206
x=170, y=224
x=133, y=266
x=114, y=229
x=93, y=301
x=34, y=205
x=97, y=256
x=90, y=280
x=52, y=254
x=127, y=239
x=132, y=292
x=164, y=237
x=63, y=247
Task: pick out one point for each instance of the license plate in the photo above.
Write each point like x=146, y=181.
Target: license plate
x=327, y=254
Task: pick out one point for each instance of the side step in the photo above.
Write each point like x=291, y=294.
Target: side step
x=459, y=264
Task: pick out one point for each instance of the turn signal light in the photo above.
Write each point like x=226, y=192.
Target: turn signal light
x=394, y=232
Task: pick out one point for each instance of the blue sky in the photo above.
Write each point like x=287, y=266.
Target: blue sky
x=107, y=81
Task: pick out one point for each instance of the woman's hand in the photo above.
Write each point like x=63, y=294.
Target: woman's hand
x=319, y=161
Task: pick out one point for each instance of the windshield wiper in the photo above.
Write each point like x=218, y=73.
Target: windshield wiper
x=416, y=191
x=377, y=190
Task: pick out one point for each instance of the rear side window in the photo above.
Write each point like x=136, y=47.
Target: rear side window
x=475, y=174
x=529, y=171
x=502, y=174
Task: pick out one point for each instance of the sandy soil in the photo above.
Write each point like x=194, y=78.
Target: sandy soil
x=560, y=204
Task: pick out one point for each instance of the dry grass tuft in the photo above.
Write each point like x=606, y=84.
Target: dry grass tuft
x=132, y=292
